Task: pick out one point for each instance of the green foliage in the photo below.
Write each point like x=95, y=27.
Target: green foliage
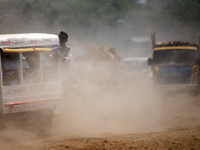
x=79, y=12
x=185, y=10
x=93, y=14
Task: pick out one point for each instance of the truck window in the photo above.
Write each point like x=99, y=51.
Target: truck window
x=181, y=57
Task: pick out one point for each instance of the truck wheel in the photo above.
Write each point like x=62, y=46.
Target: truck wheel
x=43, y=127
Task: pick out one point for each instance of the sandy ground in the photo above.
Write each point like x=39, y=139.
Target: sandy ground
x=131, y=115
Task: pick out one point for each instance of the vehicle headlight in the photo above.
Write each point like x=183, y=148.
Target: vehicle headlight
x=194, y=78
x=156, y=77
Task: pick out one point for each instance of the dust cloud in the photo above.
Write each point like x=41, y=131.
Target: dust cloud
x=100, y=100
x=120, y=103
x=108, y=101
x=16, y=136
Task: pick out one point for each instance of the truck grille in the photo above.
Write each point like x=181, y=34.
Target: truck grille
x=173, y=76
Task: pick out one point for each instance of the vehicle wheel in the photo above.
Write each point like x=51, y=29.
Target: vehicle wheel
x=43, y=127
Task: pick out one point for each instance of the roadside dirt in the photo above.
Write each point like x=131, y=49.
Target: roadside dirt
x=131, y=116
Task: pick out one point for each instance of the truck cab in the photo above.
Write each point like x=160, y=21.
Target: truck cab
x=176, y=64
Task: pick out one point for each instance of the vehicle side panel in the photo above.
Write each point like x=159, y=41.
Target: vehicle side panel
x=29, y=97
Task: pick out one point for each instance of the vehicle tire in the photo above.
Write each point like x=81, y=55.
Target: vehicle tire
x=43, y=127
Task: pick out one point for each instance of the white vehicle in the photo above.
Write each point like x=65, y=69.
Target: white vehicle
x=31, y=86
x=136, y=66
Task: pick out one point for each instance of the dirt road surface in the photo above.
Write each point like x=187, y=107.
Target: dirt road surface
x=133, y=115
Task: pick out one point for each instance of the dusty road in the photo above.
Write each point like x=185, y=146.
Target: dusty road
x=132, y=116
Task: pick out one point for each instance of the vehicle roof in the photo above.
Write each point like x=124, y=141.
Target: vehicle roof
x=175, y=43
x=28, y=40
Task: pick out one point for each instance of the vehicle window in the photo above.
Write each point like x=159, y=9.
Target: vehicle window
x=180, y=57
x=50, y=68
x=31, y=71
x=31, y=68
x=10, y=69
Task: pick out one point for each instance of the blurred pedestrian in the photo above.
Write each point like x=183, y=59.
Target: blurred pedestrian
x=64, y=53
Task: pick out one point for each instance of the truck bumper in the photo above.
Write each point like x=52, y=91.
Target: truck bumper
x=193, y=90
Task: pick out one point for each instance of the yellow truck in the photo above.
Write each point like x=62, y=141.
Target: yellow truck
x=175, y=64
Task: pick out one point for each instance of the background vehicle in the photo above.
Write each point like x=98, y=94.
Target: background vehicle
x=31, y=85
x=100, y=65
x=176, y=64
x=136, y=66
